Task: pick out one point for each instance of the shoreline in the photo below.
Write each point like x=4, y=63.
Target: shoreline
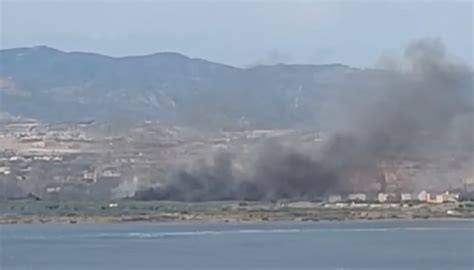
x=159, y=212
x=91, y=220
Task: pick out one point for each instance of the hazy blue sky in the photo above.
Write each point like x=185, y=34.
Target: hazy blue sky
x=239, y=32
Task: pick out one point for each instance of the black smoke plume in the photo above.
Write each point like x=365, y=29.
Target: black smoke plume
x=277, y=173
x=420, y=107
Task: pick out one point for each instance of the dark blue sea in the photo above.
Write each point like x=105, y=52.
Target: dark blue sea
x=419, y=244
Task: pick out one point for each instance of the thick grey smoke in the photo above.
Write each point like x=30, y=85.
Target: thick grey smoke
x=419, y=107
x=276, y=173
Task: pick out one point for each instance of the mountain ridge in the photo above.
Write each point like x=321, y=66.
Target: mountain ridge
x=53, y=85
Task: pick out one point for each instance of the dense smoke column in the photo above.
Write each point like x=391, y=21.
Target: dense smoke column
x=202, y=182
x=421, y=107
x=278, y=174
x=284, y=173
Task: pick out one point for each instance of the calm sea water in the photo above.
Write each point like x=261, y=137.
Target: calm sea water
x=423, y=244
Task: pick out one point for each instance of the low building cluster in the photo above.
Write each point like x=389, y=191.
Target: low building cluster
x=421, y=197
x=88, y=158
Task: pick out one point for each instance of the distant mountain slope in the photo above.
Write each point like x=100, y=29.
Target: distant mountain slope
x=53, y=85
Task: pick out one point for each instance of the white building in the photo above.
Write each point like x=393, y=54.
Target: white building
x=53, y=189
x=357, y=197
x=5, y=170
x=302, y=204
x=110, y=173
x=450, y=197
x=436, y=198
x=423, y=196
x=39, y=144
x=334, y=198
x=382, y=197
x=406, y=197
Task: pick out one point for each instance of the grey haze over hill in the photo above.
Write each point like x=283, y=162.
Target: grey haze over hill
x=52, y=85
